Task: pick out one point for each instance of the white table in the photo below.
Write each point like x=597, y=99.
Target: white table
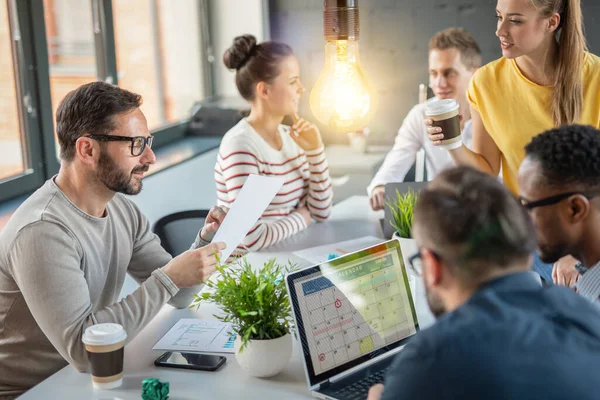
x=351, y=171
x=350, y=219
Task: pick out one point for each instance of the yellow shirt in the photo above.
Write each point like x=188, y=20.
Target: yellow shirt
x=514, y=109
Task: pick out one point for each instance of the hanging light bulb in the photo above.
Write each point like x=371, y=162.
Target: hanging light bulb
x=343, y=97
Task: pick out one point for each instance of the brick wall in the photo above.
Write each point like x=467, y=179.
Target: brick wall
x=393, y=44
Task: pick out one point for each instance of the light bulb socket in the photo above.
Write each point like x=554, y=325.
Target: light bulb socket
x=341, y=20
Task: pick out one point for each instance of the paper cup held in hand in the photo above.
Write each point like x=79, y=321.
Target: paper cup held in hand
x=444, y=114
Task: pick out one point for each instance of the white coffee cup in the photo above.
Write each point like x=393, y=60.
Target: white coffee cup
x=105, y=345
x=444, y=114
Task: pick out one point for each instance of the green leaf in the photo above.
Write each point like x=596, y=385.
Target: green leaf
x=253, y=300
x=401, y=209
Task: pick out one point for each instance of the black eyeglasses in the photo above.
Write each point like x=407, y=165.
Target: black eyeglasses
x=554, y=199
x=416, y=260
x=138, y=143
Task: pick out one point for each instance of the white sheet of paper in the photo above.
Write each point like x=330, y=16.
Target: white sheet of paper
x=190, y=334
x=320, y=254
x=251, y=202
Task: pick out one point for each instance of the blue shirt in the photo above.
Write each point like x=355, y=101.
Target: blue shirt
x=513, y=339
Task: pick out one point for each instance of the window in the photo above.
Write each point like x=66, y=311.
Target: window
x=20, y=140
x=159, y=55
x=71, y=52
x=11, y=138
x=156, y=48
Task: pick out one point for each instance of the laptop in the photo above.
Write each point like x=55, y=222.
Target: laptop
x=353, y=315
x=390, y=195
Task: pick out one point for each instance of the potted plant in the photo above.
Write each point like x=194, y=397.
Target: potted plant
x=256, y=303
x=401, y=208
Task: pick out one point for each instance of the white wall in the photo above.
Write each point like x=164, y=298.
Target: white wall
x=231, y=18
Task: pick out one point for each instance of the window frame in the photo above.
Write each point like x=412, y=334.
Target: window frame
x=27, y=95
x=32, y=75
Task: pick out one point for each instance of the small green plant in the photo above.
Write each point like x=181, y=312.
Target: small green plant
x=402, y=208
x=254, y=302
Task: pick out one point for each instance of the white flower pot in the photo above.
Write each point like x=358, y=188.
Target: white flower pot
x=408, y=248
x=264, y=358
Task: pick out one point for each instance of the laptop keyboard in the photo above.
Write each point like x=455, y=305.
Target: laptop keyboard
x=359, y=390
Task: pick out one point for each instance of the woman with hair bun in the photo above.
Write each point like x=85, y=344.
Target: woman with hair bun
x=267, y=76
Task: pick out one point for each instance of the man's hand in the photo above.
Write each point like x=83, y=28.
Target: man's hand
x=305, y=134
x=213, y=222
x=564, y=272
x=194, y=266
x=375, y=392
x=378, y=198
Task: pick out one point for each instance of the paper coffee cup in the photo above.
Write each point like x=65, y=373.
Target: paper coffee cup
x=444, y=114
x=104, y=344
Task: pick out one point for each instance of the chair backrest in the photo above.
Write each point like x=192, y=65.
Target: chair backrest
x=420, y=169
x=178, y=231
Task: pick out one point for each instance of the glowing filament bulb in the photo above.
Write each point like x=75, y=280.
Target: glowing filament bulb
x=343, y=97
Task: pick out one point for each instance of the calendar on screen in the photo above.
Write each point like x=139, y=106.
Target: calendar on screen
x=352, y=309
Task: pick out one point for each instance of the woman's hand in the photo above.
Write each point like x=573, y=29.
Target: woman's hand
x=305, y=213
x=305, y=134
x=435, y=132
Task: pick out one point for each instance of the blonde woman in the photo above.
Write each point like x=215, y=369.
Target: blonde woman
x=545, y=78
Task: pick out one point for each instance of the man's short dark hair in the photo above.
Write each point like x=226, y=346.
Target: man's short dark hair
x=473, y=223
x=569, y=156
x=90, y=109
x=460, y=39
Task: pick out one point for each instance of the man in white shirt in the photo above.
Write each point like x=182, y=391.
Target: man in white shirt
x=453, y=58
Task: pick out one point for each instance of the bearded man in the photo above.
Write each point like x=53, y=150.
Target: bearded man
x=66, y=250
x=499, y=333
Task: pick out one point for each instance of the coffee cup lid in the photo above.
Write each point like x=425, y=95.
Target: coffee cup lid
x=102, y=334
x=436, y=106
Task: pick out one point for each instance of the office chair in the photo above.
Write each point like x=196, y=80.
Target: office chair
x=420, y=161
x=417, y=172
x=178, y=231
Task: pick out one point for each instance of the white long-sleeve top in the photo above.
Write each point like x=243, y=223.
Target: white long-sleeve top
x=412, y=136
x=244, y=152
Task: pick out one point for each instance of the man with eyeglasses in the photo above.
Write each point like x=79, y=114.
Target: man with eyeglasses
x=66, y=250
x=499, y=333
x=559, y=184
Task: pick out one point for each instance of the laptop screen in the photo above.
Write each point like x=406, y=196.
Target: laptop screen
x=352, y=309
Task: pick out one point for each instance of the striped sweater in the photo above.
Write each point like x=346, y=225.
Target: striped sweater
x=243, y=152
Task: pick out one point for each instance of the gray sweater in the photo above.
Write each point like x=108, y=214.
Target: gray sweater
x=61, y=270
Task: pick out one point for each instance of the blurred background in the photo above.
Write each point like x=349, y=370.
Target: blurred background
x=170, y=52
